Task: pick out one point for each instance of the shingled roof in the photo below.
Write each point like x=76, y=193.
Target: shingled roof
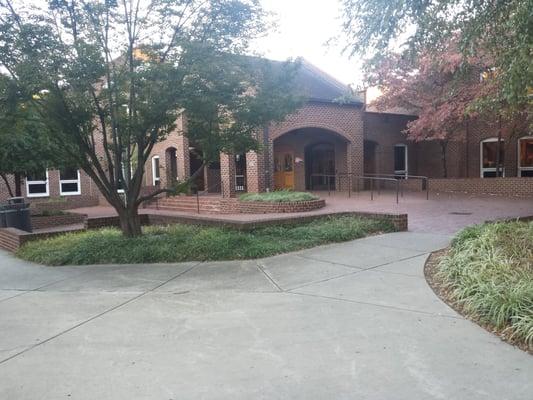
x=318, y=85
x=315, y=84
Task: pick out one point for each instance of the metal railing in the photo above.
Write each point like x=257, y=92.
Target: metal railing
x=396, y=180
x=403, y=178
x=371, y=179
x=205, y=192
x=327, y=176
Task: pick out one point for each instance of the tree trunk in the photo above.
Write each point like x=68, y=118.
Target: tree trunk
x=18, y=185
x=130, y=221
x=443, y=146
x=8, y=186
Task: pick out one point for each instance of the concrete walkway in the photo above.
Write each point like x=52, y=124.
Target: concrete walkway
x=348, y=321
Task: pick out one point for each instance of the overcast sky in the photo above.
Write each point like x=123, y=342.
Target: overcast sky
x=303, y=28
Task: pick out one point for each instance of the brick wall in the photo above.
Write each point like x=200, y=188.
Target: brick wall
x=343, y=122
x=11, y=239
x=425, y=157
x=55, y=201
x=109, y=222
x=386, y=131
x=50, y=221
x=399, y=221
x=257, y=207
x=513, y=187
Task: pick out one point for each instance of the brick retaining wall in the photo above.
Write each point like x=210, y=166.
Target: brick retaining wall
x=11, y=239
x=512, y=187
x=49, y=221
x=399, y=221
x=110, y=222
x=260, y=207
x=63, y=203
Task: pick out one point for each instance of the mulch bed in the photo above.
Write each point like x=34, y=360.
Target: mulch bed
x=437, y=286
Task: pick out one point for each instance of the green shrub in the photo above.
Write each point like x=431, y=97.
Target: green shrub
x=489, y=272
x=176, y=243
x=278, y=196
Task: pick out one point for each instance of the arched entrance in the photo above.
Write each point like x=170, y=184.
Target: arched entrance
x=303, y=154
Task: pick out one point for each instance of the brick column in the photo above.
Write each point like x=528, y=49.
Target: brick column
x=227, y=175
x=255, y=172
x=268, y=162
x=182, y=157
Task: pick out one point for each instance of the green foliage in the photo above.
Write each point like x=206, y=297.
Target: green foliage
x=500, y=31
x=110, y=79
x=24, y=142
x=278, y=196
x=489, y=272
x=176, y=243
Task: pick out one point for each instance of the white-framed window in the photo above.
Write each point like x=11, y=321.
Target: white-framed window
x=69, y=182
x=401, y=160
x=156, y=177
x=489, y=157
x=37, y=184
x=525, y=156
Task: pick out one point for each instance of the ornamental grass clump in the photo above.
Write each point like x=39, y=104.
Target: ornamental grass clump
x=489, y=274
x=279, y=196
x=179, y=242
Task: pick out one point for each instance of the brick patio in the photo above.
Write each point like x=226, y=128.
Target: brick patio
x=443, y=213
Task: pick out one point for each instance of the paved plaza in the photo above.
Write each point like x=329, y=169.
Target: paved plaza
x=355, y=320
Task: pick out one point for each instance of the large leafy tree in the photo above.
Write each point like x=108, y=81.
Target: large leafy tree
x=23, y=136
x=113, y=76
x=500, y=29
x=446, y=91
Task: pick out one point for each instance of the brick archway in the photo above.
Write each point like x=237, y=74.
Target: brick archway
x=344, y=122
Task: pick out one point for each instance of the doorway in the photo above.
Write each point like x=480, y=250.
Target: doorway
x=320, y=166
x=284, y=171
x=172, y=166
x=240, y=172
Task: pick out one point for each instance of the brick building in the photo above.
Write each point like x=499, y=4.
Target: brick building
x=315, y=148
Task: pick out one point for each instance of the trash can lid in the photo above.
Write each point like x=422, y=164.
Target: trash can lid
x=15, y=200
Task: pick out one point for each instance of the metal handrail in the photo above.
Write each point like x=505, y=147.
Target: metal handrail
x=358, y=177
x=372, y=179
x=402, y=178
x=334, y=176
x=204, y=193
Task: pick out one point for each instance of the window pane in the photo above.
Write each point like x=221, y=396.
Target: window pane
x=37, y=188
x=526, y=152
x=68, y=174
x=156, y=168
x=526, y=173
x=399, y=158
x=37, y=176
x=69, y=188
x=489, y=174
x=490, y=150
x=287, y=167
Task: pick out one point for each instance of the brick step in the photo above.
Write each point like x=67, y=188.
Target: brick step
x=181, y=200
x=187, y=204
x=190, y=210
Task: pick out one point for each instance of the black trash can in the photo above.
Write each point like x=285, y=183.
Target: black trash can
x=3, y=217
x=18, y=216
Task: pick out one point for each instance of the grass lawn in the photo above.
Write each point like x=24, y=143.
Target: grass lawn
x=176, y=243
x=488, y=273
x=278, y=196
